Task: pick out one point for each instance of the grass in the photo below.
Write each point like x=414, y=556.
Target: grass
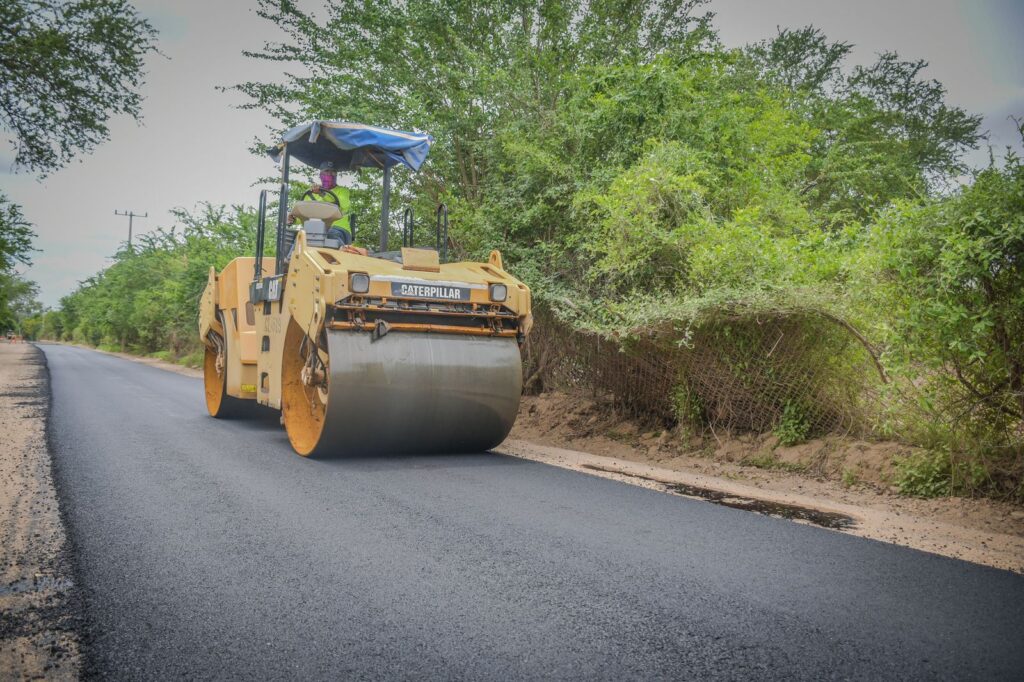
x=193, y=360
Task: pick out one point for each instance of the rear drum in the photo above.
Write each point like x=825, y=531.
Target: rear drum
x=218, y=403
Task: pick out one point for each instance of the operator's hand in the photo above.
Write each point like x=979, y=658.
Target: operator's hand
x=291, y=219
x=317, y=188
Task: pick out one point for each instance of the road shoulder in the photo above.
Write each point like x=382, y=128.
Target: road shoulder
x=38, y=638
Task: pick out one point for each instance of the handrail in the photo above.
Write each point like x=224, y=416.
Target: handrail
x=261, y=236
x=282, y=213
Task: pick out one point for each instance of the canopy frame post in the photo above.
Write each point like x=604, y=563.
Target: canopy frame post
x=385, y=209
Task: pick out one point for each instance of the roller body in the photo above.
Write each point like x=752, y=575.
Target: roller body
x=387, y=351
x=365, y=355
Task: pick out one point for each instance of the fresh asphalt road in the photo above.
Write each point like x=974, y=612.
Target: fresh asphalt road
x=206, y=549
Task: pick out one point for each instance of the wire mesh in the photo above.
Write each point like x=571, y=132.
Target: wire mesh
x=736, y=373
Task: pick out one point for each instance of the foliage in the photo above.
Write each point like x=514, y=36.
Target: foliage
x=885, y=132
x=793, y=425
x=947, y=277
x=659, y=164
x=956, y=267
x=849, y=478
x=17, y=302
x=15, y=235
x=687, y=406
x=148, y=299
x=768, y=461
x=66, y=67
x=926, y=474
x=17, y=295
x=466, y=72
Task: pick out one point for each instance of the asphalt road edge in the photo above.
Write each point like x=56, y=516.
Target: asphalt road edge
x=76, y=604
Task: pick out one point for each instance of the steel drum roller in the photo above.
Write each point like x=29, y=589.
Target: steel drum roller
x=407, y=393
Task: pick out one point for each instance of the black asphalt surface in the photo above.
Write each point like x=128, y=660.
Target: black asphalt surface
x=206, y=549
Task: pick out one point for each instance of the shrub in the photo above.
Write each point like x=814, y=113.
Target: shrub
x=926, y=474
x=793, y=425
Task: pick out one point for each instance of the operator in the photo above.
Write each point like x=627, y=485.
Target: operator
x=329, y=191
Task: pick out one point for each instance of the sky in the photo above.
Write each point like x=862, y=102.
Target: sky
x=192, y=144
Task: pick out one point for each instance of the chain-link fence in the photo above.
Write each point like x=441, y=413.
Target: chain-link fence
x=737, y=373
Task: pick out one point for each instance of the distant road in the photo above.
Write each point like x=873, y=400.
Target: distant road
x=206, y=549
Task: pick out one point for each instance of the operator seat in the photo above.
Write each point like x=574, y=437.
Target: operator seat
x=315, y=217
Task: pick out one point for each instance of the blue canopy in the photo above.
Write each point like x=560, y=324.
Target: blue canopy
x=353, y=145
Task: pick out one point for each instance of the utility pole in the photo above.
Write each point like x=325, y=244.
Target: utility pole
x=131, y=215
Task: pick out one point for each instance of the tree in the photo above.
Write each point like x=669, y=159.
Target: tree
x=957, y=269
x=149, y=297
x=17, y=301
x=17, y=295
x=15, y=235
x=66, y=67
x=460, y=70
x=886, y=133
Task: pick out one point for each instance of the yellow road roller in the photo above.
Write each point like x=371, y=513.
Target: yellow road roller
x=364, y=350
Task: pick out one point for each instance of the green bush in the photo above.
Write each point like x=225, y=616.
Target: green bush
x=793, y=425
x=926, y=474
x=937, y=473
x=688, y=407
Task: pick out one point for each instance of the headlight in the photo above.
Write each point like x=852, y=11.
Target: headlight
x=359, y=283
x=499, y=292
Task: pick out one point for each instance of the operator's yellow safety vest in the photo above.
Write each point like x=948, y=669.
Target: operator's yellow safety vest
x=338, y=196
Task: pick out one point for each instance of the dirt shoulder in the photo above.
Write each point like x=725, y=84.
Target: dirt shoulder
x=37, y=635
x=837, y=475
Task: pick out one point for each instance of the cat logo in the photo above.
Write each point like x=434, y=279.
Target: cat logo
x=438, y=292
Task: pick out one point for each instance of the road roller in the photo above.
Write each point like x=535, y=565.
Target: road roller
x=364, y=350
